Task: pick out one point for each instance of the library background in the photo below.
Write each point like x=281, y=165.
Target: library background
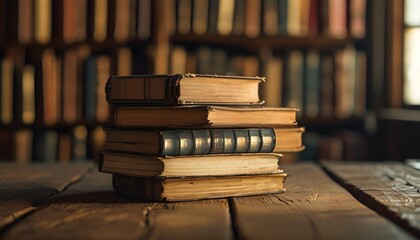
x=351, y=66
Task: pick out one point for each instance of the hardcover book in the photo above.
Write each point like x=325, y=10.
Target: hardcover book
x=181, y=89
x=204, y=141
x=189, y=166
x=203, y=116
x=184, y=189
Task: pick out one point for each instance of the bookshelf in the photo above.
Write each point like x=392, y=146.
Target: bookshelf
x=55, y=58
x=315, y=55
x=302, y=47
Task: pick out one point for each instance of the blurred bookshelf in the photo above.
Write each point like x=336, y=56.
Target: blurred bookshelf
x=57, y=54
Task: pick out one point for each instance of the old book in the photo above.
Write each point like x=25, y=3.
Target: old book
x=358, y=18
x=124, y=61
x=252, y=18
x=179, y=89
x=327, y=86
x=188, y=166
x=283, y=16
x=6, y=90
x=312, y=84
x=73, y=84
x=122, y=20
x=293, y=95
x=239, y=18
x=337, y=16
x=200, y=16
x=203, y=116
x=103, y=69
x=51, y=75
x=74, y=27
x=360, y=84
x=270, y=17
x=273, y=87
x=204, y=141
x=100, y=20
x=28, y=94
x=23, y=140
x=25, y=21
x=213, y=16
x=43, y=23
x=294, y=27
x=182, y=189
x=45, y=146
x=144, y=18
x=178, y=59
x=225, y=17
x=345, y=81
x=184, y=15
x=313, y=17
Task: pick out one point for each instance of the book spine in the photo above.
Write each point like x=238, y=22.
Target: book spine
x=116, y=89
x=217, y=141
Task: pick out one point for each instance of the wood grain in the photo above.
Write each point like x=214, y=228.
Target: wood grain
x=313, y=207
x=22, y=187
x=392, y=189
x=90, y=209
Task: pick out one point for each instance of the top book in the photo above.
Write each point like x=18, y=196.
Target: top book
x=183, y=89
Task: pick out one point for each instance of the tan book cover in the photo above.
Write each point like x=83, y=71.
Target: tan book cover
x=189, y=166
x=100, y=20
x=6, y=88
x=203, y=116
x=185, y=189
x=51, y=83
x=183, y=89
x=43, y=21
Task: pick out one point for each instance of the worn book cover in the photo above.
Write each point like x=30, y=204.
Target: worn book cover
x=185, y=189
x=199, y=116
x=182, y=89
x=189, y=166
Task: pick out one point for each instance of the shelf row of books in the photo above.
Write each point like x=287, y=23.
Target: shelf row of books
x=76, y=143
x=340, y=145
x=195, y=136
x=302, y=18
x=72, y=21
x=322, y=84
x=59, y=88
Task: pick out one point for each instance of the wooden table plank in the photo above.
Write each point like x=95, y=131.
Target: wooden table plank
x=22, y=186
x=90, y=209
x=390, y=188
x=313, y=207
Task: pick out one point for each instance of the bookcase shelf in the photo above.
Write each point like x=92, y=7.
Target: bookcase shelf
x=274, y=43
x=94, y=46
x=285, y=57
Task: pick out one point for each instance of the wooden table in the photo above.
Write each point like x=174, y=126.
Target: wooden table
x=70, y=201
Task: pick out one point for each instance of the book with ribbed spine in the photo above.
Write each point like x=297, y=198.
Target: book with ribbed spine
x=189, y=166
x=181, y=89
x=204, y=141
x=184, y=189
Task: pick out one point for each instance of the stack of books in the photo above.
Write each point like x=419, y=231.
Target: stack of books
x=195, y=136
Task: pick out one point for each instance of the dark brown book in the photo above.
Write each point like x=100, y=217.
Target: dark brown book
x=181, y=142
x=184, y=189
x=189, y=166
x=197, y=116
x=181, y=89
